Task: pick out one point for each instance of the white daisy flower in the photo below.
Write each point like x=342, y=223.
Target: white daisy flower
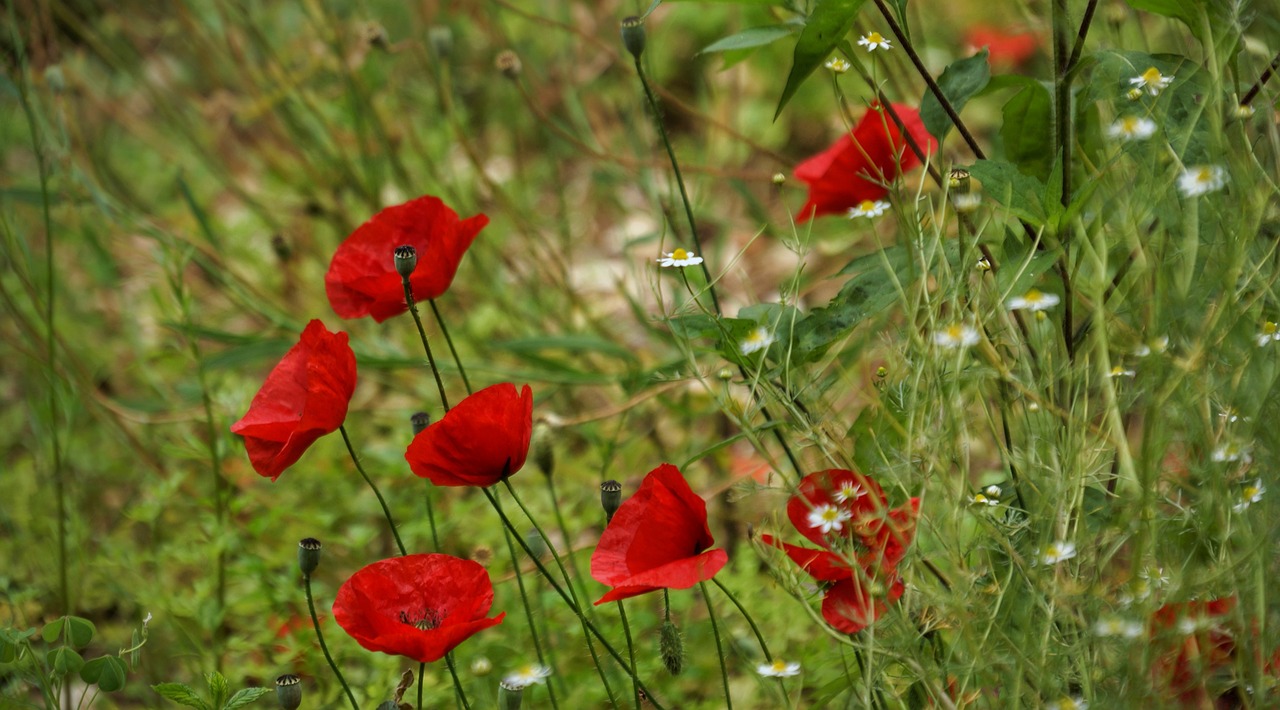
x=1250, y=495
x=992, y=491
x=758, y=339
x=1201, y=180
x=1230, y=452
x=1152, y=80
x=982, y=499
x=526, y=676
x=966, y=202
x=868, y=208
x=984, y=264
x=956, y=335
x=1115, y=626
x=873, y=41
x=1244, y=111
x=680, y=257
x=779, y=669
x=1132, y=128
x=1058, y=552
x=1076, y=703
x=1119, y=371
x=1270, y=333
x=849, y=491
x=827, y=518
x=1034, y=300
x=838, y=65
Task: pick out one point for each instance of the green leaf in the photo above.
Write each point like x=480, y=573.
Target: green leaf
x=182, y=694
x=829, y=22
x=753, y=37
x=79, y=631
x=1015, y=280
x=219, y=689
x=1021, y=194
x=244, y=697
x=961, y=80
x=1027, y=132
x=107, y=672
x=53, y=629
x=8, y=651
x=1189, y=12
x=63, y=660
x=572, y=344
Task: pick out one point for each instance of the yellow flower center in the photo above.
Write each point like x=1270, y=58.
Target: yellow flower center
x=779, y=666
x=1152, y=76
x=1204, y=175
x=1250, y=492
x=1033, y=296
x=1129, y=125
x=680, y=255
x=1269, y=328
x=1117, y=371
x=831, y=515
x=979, y=498
x=867, y=206
x=875, y=38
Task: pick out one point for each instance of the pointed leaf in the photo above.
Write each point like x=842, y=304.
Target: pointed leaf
x=244, y=697
x=1021, y=194
x=182, y=694
x=219, y=689
x=107, y=672
x=829, y=22
x=1028, y=131
x=753, y=37
x=958, y=82
x=79, y=631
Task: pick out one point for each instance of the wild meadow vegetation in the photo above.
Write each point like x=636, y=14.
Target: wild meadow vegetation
x=754, y=354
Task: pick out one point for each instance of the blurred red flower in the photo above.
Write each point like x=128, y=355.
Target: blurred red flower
x=1005, y=48
x=305, y=397
x=658, y=539
x=859, y=165
x=477, y=443
x=362, y=278
x=1191, y=642
x=417, y=606
x=862, y=541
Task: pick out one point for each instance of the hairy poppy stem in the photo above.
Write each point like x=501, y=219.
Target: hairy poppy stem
x=764, y=648
x=715, y=631
x=631, y=652
x=528, y=613
x=422, y=334
x=315, y=622
x=1249, y=95
x=444, y=330
x=386, y=512
x=459, y=693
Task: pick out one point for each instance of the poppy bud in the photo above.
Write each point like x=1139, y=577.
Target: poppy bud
x=633, y=35
x=308, y=555
x=508, y=62
x=610, y=499
x=544, y=455
x=958, y=180
x=406, y=260
x=671, y=646
x=289, y=691
x=420, y=421
x=375, y=34
x=510, y=696
x=441, y=39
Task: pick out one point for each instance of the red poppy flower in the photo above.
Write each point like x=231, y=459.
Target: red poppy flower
x=658, y=539
x=856, y=168
x=1191, y=643
x=417, y=606
x=305, y=397
x=1005, y=48
x=362, y=278
x=478, y=442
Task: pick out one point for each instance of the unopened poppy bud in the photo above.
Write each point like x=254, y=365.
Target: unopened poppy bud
x=289, y=691
x=610, y=499
x=508, y=62
x=958, y=180
x=308, y=555
x=406, y=260
x=510, y=696
x=671, y=646
x=633, y=35
x=420, y=421
x=984, y=264
x=441, y=39
x=542, y=449
x=375, y=34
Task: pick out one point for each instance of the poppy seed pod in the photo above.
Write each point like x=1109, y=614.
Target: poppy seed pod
x=420, y=421
x=289, y=691
x=406, y=260
x=508, y=62
x=610, y=499
x=958, y=180
x=671, y=646
x=308, y=555
x=544, y=455
x=633, y=35
x=510, y=696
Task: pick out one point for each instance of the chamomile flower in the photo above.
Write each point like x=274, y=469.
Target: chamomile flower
x=1152, y=80
x=1201, y=180
x=868, y=208
x=1115, y=626
x=849, y=491
x=992, y=491
x=1270, y=333
x=680, y=258
x=526, y=676
x=1132, y=128
x=1034, y=300
x=984, y=264
x=1060, y=551
x=758, y=339
x=1244, y=111
x=1119, y=371
x=779, y=669
x=1068, y=703
x=956, y=335
x=1231, y=452
x=873, y=41
x=982, y=499
x=838, y=65
x=1250, y=495
x=828, y=517
x=967, y=202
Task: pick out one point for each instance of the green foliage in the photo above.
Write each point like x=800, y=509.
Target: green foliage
x=1027, y=131
x=825, y=27
x=959, y=81
x=220, y=697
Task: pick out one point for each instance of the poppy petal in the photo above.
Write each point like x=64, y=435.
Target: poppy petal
x=478, y=442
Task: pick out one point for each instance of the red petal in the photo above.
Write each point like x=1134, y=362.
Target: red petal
x=820, y=488
x=1004, y=48
x=849, y=607
x=477, y=442
x=822, y=565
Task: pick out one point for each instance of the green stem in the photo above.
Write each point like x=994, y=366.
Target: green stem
x=631, y=652
x=1249, y=95
x=315, y=622
x=422, y=671
x=457, y=684
x=715, y=631
x=431, y=515
x=422, y=334
x=528, y=611
x=386, y=512
x=1083, y=32
x=764, y=648
x=452, y=350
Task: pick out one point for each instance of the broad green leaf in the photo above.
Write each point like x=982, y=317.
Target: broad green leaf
x=1028, y=131
x=219, y=689
x=753, y=37
x=107, y=672
x=961, y=80
x=1189, y=12
x=829, y=22
x=63, y=660
x=1021, y=194
x=182, y=694
x=79, y=631
x=53, y=629
x=694, y=326
x=244, y=697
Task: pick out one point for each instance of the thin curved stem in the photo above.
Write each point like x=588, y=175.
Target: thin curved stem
x=715, y=631
x=386, y=512
x=631, y=652
x=528, y=612
x=459, y=693
x=764, y=648
x=444, y=330
x=422, y=334
x=315, y=622
x=422, y=671
x=1267, y=73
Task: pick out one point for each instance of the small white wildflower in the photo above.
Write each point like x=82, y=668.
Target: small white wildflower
x=1115, y=626
x=873, y=41
x=1250, y=495
x=849, y=491
x=1066, y=703
x=758, y=339
x=956, y=335
x=992, y=491
x=681, y=258
x=1119, y=371
x=1244, y=111
x=779, y=669
x=1188, y=625
x=1141, y=350
x=868, y=208
x=828, y=518
x=1132, y=128
x=967, y=202
x=838, y=65
x=1155, y=575
x=1201, y=180
x=1269, y=334
x=146, y=620
x=481, y=666
x=526, y=676
x=984, y=264
x=1151, y=80
x=1060, y=551
x=981, y=499
x=1034, y=300
x=1230, y=452
x=1231, y=415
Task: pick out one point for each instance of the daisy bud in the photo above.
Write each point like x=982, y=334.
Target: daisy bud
x=420, y=421
x=510, y=696
x=308, y=555
x=1134, y=94
x=779, y=178
x=1116, y=15
x=671, y=646
x=481, y=666
x=441, y=39
x=958, y=179
x=882, y=372
x=406, y=260
x=610, y=499
x=542, y=450
x=633, y=35
x=508, y=62
x=725, y=374
x=289, y=691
